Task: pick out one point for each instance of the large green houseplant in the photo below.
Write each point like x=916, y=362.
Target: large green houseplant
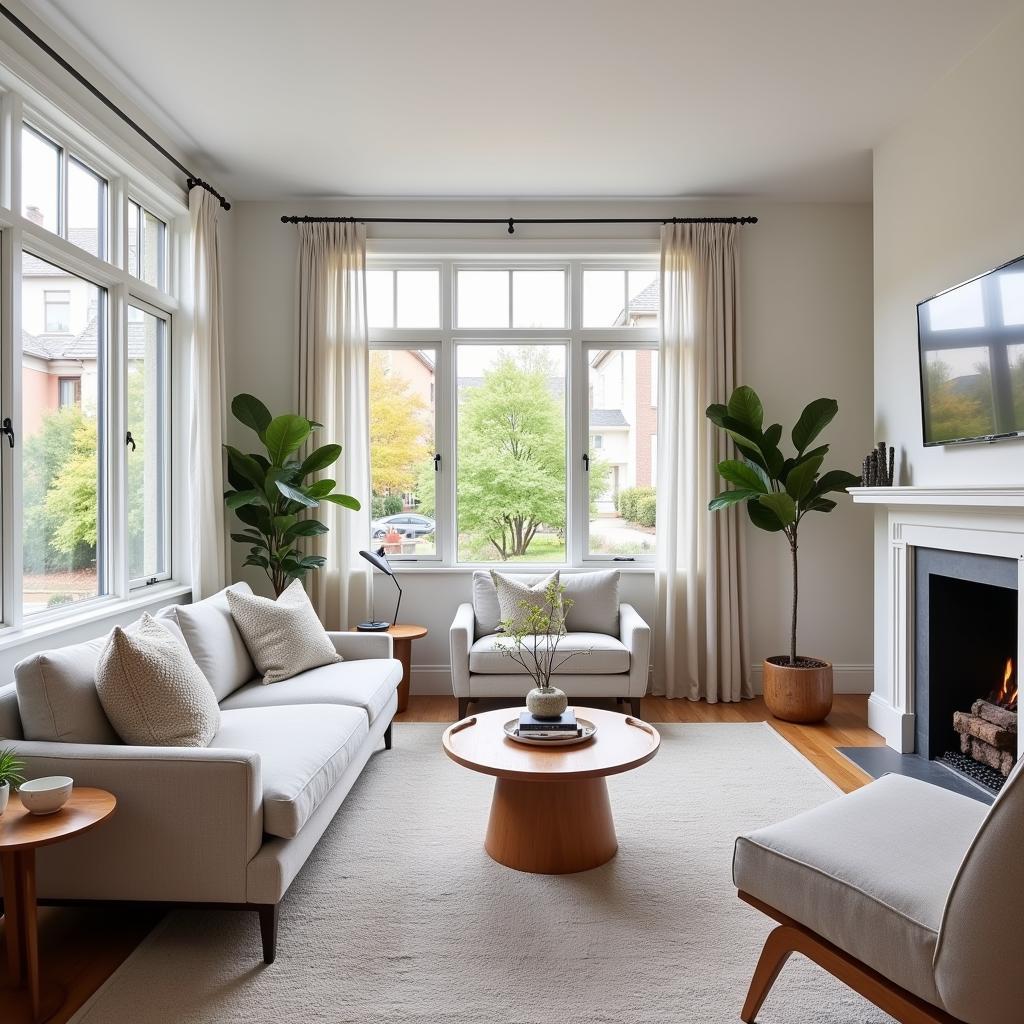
x=272, y=492
x=778, y=491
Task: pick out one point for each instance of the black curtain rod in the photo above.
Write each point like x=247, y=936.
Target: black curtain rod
x=191, y=180
x=511, y=222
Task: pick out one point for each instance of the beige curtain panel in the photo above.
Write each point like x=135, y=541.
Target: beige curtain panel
x=334, y=358
x=701, y=646
x=208, y=408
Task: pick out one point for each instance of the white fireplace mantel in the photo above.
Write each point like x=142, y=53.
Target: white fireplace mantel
x=979, y=520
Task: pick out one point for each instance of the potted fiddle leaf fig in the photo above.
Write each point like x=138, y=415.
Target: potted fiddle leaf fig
x=272, y=491
x=779, y=491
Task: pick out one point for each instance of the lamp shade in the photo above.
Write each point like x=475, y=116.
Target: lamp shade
x=378, y=560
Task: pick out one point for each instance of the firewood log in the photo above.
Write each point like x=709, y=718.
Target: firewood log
x=984, y=753
x=974, y=725
x=1002, y=717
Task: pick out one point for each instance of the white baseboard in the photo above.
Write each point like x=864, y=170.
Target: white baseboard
x=897, y=727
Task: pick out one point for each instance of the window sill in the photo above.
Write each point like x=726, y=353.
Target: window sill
x=109, y=608
x=521, y=567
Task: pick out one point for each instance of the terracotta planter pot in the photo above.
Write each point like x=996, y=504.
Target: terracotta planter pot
x=798, y=693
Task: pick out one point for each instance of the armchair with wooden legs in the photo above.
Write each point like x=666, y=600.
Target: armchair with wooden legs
x=911, y=895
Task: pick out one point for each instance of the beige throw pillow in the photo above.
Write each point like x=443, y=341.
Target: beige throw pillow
x=513, y=593
x=284, y=636
x=152, y=690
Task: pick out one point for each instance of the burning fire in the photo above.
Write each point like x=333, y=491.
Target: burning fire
x=1006, y=695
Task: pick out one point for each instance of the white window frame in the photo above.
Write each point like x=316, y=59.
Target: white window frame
x=577, y=341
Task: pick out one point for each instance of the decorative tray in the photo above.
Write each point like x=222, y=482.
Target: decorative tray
x=512, y=732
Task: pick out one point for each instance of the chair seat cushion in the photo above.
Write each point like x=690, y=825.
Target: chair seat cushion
x=366, y=684
x=594, y=654
x=303, y=753
x=869, y=872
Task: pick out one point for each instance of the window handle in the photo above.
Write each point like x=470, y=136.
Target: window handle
x=128, y=439
x=437, y=463
x=586, y=462
x=8, y=429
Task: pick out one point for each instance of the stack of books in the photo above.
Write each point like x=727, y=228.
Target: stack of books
x=549, y=728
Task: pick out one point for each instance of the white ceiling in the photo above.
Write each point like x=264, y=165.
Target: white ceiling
x=782, y=98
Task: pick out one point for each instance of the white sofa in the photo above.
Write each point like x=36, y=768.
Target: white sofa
x=228, y=825
x=613, y=640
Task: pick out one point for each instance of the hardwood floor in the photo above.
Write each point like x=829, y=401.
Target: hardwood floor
x=80, y=948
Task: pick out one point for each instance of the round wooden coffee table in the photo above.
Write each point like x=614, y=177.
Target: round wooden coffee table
x=550, y=812
x=21, y=834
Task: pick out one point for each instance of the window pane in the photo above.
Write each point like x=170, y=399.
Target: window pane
x=61, y=424
x=483, y=298
x=57, y=307
x=380, y=298
x=604, y=298
x=147, y=414
x=40, y=180
x=134, y=216
x=87, y=208
x=644, y=298
x=419, y=298
x=154, y=250
x=402, y=451
x=510, y=476
x=623, y=452
x=538, y=298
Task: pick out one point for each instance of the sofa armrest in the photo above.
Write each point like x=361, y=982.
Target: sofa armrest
x=460, y=640
x=635, y=635
x=362, y=646
x=188, y=821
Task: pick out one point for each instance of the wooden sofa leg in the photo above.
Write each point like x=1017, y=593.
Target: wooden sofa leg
x=463, y=707
x=387, y=736
x=634, y=706
x=777, y=949
x=268, y=930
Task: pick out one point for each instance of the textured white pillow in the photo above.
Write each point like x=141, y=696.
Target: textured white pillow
x=284, y=636
x=513, y=593
x=152, y=690
x=595, y=602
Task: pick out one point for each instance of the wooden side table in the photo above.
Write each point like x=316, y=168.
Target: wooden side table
x=21, y=834
x=403, y=636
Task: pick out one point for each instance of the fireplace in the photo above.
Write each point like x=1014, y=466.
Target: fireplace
x=965, y=676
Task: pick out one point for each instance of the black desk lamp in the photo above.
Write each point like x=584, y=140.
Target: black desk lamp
x=379, y=560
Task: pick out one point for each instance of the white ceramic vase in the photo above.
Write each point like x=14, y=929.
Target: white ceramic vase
x=5, y=795
x=546, y=702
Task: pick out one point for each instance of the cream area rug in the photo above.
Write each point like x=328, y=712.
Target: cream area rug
x=400, y=916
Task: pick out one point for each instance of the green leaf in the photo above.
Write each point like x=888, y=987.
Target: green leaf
x=252, y=412
x=257, y=560
x=771, y=437
x=801, y=478
x=763, y=518
x=237, y=499
x=717, y=413
x=255, y=515
x=750, y=447
x=320, y=488
x=313, y=562
x=813, y=420
x=729, y=498
x=782, y=505
x=281, y=523
x=245, y=538
x=821, y=505
x=304, y=528
x=344, y=500
x=745, y=406
x=246, y=465
x=835, y=480
x=294, y=494
x=320, y=459
x=284, y=435
x=742, y=475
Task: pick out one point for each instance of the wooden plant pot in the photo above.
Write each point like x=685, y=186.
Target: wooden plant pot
x=798, y=693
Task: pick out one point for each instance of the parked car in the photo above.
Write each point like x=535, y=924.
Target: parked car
x=408, y=524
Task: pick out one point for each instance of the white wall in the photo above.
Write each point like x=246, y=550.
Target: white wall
x=806, y=308
x=948, y=205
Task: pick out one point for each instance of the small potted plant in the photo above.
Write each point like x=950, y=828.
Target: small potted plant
x=10, y=775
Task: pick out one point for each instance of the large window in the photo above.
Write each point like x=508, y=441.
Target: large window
x=513, y=410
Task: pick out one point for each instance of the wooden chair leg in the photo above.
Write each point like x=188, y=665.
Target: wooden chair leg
x=777, y=949
x=269, y=913
x=463, y=707
x=634, y=706
x=387, y=736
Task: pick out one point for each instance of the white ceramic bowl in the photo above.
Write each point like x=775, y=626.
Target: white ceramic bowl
x=46, y=796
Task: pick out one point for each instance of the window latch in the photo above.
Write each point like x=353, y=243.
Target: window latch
x=437, y=463
x=128, y=439
x=586, y=462
x=8, y=429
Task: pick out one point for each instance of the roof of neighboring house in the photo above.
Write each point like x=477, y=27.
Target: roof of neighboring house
x=647, y=301
x=607, y=418
x=52, y=347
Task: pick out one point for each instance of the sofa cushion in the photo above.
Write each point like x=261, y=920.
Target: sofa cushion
x=518, y=601
x=596, y=654
x=304, y=751
x=152, y=689
x=366, y=684
x=214, y=641
x=869, y=871
x=595, y=602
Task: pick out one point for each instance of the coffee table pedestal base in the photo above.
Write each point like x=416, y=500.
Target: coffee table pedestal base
x=551, y=827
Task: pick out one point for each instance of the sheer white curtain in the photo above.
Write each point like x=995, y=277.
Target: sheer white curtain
x=207, y=412
x=701, y=648
x=334, y=357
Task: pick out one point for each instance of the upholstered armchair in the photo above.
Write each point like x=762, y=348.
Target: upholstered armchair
x=910, y=894
x=613, y=641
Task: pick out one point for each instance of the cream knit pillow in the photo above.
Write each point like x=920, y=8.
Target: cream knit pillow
x=284, y=636
x=513, y=594
x=152, y=690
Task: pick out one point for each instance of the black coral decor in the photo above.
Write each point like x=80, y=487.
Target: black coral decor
x=877, y=467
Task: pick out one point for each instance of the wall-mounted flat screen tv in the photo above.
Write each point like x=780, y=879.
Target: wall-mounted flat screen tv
x=971, y=341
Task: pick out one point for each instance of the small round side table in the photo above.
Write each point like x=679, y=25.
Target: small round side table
x=403, y=636
x=21, y=834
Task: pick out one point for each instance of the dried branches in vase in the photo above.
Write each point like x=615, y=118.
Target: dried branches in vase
x=877, y=469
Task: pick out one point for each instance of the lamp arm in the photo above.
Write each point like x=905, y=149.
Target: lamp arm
x=394, y=621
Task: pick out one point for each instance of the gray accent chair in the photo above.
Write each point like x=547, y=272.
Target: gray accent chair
x=910, y=894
